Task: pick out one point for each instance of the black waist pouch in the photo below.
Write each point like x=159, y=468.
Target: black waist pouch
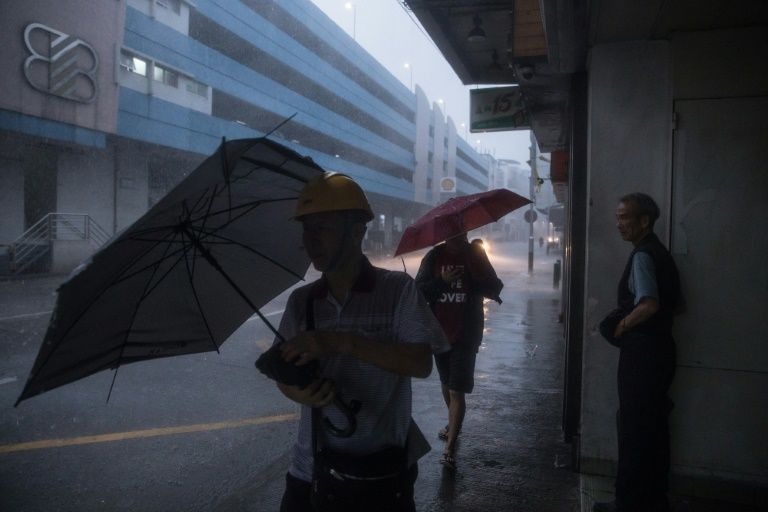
x=380, y=481
x=608, y=326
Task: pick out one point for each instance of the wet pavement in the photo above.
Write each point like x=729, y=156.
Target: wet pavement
x=511, y=455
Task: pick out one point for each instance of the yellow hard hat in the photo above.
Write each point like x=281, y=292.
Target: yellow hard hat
x=332, y=192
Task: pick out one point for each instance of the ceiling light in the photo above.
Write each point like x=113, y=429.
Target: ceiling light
x=477, y=34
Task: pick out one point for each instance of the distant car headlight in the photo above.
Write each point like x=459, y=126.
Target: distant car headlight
x=484, y=244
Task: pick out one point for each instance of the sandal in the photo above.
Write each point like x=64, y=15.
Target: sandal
x=448, y=460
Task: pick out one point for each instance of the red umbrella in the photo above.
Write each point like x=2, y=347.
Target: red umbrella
x=459, y=215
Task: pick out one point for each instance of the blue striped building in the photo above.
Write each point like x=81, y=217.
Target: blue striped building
x=141, y=91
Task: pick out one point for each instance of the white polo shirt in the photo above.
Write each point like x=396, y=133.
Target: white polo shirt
x=384, y=306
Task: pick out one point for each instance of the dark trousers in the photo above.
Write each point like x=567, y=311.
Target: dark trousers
x=297, y=496
x=646, y=369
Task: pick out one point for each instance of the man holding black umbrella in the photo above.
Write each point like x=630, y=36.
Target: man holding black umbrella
x=370, y=330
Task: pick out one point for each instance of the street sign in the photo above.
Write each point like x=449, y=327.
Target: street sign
x=497, y=109
x=530, y=216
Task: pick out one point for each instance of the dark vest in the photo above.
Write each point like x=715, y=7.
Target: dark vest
x=667, y=281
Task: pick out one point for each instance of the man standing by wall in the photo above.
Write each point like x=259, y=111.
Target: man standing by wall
x=641, y=327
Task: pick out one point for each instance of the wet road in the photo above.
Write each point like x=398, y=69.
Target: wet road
x=177, y=434
x=207, y=432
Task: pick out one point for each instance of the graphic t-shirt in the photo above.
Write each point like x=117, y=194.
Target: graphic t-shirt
x=451, y=305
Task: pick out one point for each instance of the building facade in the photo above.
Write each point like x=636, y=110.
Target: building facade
x=108, y=106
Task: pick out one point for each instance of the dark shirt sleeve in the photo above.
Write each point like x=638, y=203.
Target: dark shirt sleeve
x=486, y=283
x=429, y=285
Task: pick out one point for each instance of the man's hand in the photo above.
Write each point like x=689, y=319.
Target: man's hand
x=620, y=329
x=645, y=309
x=319, y=393
x=410, y=359
x=310, y=345
x=451, y=275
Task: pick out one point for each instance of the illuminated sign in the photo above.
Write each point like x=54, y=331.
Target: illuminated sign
x=497, y=109
x=60, y=64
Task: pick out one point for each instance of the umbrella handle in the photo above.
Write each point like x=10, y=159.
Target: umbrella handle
x=350, y=411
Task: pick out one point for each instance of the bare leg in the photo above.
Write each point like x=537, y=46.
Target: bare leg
x=446, y=395
x=443, y=433
x=457, y=408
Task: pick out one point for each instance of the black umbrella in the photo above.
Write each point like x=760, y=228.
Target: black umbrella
x=188, y=273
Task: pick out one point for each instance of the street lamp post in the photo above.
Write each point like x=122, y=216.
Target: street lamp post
x=409, y=68
x=531, y=206
x=351, y=7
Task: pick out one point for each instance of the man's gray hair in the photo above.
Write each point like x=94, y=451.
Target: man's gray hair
x=643, y=205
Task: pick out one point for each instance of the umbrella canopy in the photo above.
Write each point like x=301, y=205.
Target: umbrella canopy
x=459, y=215
x=188, y=273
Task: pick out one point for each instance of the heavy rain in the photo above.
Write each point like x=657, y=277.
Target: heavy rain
x=151, y=156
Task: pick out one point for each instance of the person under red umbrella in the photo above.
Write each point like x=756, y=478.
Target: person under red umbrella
x=459, y=215
x=455, y=277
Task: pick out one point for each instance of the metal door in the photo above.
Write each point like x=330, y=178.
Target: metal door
x=720, y=243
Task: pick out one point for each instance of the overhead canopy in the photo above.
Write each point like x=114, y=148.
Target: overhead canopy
x=540, y=44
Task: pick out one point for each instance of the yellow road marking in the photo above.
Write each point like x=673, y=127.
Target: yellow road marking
x=138, y=434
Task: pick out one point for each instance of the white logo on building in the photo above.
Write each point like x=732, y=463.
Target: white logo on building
x=60, y=64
